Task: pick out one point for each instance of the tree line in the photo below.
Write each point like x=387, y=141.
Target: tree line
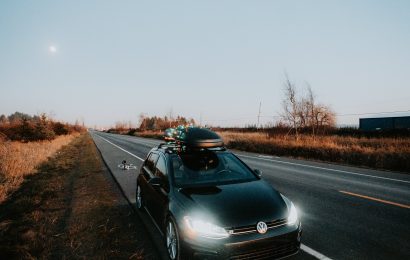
x=151, y=123
x=162, y=123
x=23, y=127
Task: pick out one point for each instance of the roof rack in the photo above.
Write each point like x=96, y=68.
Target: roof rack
x=167, y=145
x=173, y=147
x=184, y=138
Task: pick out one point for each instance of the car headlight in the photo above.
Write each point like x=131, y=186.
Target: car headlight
x=293, y=215
x=204, y=229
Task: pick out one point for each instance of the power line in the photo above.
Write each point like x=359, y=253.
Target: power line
x=361, y=114
x=278, y=116
x=229, y=119
x=377, y=113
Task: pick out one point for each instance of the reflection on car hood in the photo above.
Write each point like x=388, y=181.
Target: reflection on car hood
x=235, y=205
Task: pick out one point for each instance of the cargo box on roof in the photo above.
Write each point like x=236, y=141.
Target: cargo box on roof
x=199, y=138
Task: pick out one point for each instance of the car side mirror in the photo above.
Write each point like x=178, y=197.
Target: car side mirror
x=155, y=181
x=258, y=172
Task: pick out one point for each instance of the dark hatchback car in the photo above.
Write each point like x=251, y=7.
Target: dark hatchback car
x=209, y=204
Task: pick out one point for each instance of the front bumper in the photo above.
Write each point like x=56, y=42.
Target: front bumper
x=276, y=243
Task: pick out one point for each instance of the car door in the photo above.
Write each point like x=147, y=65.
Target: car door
x=160, y=193
x=148, y=171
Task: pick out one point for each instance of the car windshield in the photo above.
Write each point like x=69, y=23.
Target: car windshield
x=209, y=168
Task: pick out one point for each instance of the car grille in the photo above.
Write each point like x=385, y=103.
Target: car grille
x=252, y=228
x=271, y=252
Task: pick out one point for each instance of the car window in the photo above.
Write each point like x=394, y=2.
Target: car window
x=231, y=164
x=209, y=168
x=161, y=167
x=150, y=162
x=161, y=172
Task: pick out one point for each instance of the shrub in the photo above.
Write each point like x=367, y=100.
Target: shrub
x=44, y=131
x=60, y=128
x=22, y=127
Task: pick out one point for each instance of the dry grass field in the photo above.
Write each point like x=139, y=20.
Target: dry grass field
x=378, y=153
x=381, y=153
x=70, y=209
x=18, y=160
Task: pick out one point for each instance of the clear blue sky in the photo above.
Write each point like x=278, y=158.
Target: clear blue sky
x=117, y=59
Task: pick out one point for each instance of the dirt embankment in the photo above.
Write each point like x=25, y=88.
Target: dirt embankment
x=71, y=209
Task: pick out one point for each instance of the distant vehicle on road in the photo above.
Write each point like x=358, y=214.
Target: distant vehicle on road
x=210, y=204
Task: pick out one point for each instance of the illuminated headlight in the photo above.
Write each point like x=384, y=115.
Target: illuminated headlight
x=204, y=229
x=293, y=215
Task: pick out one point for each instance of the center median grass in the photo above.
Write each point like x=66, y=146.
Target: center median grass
x=71, y=208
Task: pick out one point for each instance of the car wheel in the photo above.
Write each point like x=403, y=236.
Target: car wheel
x=172, y=240
x=138, y=198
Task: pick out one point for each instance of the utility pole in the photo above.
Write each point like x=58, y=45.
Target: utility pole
x=259, y=114
x=170, y=117
x=200, y=119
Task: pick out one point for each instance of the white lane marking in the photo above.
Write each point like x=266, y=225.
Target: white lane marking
x=313, y=252
x=323, y=168
x=265, y=156
x=122, y=149
x=268, y=156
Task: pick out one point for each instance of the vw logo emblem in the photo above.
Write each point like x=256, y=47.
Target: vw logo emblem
x=261, y=227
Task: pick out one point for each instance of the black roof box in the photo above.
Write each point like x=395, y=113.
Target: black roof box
x=199, y=138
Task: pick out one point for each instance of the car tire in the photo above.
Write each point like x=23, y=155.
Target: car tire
x=173, y=241
x=138, y=198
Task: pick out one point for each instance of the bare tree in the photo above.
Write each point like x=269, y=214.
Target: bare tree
x=324, y=117
x=121, y=125
x=3, y=120
x=308, y=106
x=141, y=121
x=291, y=106
x=304, y=112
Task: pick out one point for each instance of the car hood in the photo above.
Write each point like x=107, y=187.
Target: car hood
x=234, y=205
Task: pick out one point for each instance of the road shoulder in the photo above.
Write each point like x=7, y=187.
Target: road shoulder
x=72, y=209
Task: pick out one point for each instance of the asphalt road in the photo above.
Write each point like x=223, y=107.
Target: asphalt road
x=346, y=212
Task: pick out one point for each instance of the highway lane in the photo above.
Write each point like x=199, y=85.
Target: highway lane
x=337, y=222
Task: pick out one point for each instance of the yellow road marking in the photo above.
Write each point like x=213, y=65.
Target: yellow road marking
x=375, y=199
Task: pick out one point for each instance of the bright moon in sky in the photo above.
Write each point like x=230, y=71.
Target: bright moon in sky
x=52, y=49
